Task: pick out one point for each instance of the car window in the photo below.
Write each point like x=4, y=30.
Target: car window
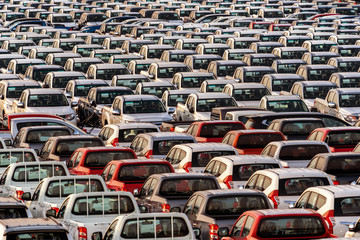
x=111, y=230
x=247, y=227
x=295, y=186
x=185, y=187
x=8, y=157
x=36, y=173
x=139, y=172
x=63, y=188
x=238, y=227
x=301, y=152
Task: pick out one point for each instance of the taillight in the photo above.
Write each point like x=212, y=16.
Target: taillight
x=123, y=189
x=115, y=141
x=228, y=182
x=172, y=129
x=213, y=231
x=82, y=235
x=332, y=149
x=55, y=208
x=165, y=208
x=329, y=217
x=336, y=182
x=187, y=167
x=274, y=197
x=19, y=194
x=149, y=153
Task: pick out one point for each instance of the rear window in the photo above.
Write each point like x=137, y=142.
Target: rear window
x=251, y=94
x=41, y=136
x=287, y=106
x=162, y=227
x=13, y=212
x=316, y=91
x=163, y=147
x=201, y=159
x=244, y=172
x=127, y=135
x=219, y=130
x=301, y=128
x=234, y=206
x=54, y=235
x=286, y=227
x=6, y=158
x=296, y=186
x=301, y=152
x=283, y=84
x=348, y=206
x=350, y=82
x=136, y=172
x=66, y=148
x=321, y=74
x=100, y=159
x=186, y=187
x=37, y=173
x=257, y=140
x=65, y=187
x=343, y=165
x=100, y=205
x=343, y=138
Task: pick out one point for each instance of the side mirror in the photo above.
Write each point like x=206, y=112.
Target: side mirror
x=9, y=71
x=74, y=103
x=51, y=213
x=352, y=227
x=191, y=110
x=331, y=105
x=223, y=232
x=26, y=196
x=68, y=95
x=171, y=110
x=116, y=112
x=8, y=142
x=197, y=232
x=151, y=76
x=93, y=103
x=143, y=209
x=96, y=236
x=175, y=209
x=20, y=105
x=136, y=192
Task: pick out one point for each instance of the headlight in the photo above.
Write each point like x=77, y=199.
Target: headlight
x=350, y=118
x=70, y=116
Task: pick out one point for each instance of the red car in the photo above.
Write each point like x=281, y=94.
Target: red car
x=251, y=141
x=128, y=175
x=212, y=131
x=92, y=160
x=339, y=139
x=278, y=224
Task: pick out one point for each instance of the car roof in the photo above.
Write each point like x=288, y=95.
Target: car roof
x=339, y=191
x=248, y=159
x=348, y=90
x=34, y=91
x=198, y=147
x=318, y=83
x=293, y=172
x=247, y=85
x=27, y=224
x=284, y=212
x=228, y=192
x=212, y=95
x=139, y=97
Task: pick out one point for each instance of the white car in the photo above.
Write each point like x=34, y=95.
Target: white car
x=234, y=171
x=339, y=205
x=175, y=226
x=295, y=153
x=284, y=185
x=24, y=176
x=122, y=134
x=193, y=157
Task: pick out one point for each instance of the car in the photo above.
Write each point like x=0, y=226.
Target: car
x=334, y=203
x=38, y=72
x=251, y=141
x=216, y=86
x=283, y=186
x=287, y=65
x=193, y=157
x=207, y=209
x=251, y=73
x=318, y=57
x=80, y=64
x=105, y=71
x=283, y=103
x=158, y=144
x=278, y=224
x=246, y=94
x=60, y=79
x=345, y=79
x=168, y=192
x=318, y=45
x=197, y=62
x=128, y=175
x=232, y=172
x=280, y=82
x=153, y=88
x=339, y=139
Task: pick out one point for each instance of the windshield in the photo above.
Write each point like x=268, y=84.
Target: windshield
x=303, y=152
x=83, y=90
x=349, y=100
x=32, y=173
x=321, y=74
x=156, y=90
x=243, y=172
x=13, y=212
x=219, y=130
x=137, y=172
x=316, y=91
x=169, y=72
x=185, y=187
x=251, y=94
x=66, y=148
x=174, y=99
x=108, y=97
x=296, y=186
x=287, y=227
x=6, y=158
x=234, y=206
x=103, y=205
x=347, y=206
x=108, y=74
x=287, y=106
x=343, y=138
x=62, y=19
x=205, y=105
x=64, y=187
x=15, y=92
x=41, y=136
x=150, y=106
x=127, y=135
x=45, y=100
x=258, y=140
x=100, y=159
x=163, y=147
x=53, y=235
